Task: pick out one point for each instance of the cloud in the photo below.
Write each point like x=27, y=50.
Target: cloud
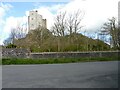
x=13, y=22
x=4, y=8
x=96, y=11
x=2, y=13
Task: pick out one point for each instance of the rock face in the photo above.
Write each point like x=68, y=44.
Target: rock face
x=14, y=53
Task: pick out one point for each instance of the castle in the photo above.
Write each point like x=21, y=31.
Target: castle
x=35, y=20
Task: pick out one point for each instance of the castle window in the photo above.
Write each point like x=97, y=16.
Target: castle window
x=32, y=18
x=32, y=13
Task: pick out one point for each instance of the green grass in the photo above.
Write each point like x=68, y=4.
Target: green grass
x=16, y=61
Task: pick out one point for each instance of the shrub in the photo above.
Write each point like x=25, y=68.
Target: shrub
x=11, y=46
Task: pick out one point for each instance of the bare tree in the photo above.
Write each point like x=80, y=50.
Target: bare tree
x=7, y=41
x=13, y=35
x=59, y=24
x=11, y=38
x=112, y=29
x=74, y=22
x=59, y=27
x=21, y=32
x=70, y=24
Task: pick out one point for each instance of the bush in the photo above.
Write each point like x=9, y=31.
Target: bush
x=11, y=46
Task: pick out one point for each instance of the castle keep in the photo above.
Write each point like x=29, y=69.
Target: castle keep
x=35, y=20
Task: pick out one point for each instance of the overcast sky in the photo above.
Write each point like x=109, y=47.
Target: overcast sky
x=96, y=12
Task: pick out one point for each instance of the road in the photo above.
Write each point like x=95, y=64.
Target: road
x=72, y=75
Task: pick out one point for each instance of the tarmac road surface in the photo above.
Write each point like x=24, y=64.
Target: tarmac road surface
x=72, y=75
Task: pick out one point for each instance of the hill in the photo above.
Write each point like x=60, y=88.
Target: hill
x=45, y=41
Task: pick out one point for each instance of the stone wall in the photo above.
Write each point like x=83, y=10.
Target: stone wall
x=74, y=54
x=14, y=53
x=23, y=53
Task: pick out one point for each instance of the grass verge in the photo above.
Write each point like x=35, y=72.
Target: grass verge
x=16, y=61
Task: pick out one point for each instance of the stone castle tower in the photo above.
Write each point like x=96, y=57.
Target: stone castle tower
x=35, y=20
